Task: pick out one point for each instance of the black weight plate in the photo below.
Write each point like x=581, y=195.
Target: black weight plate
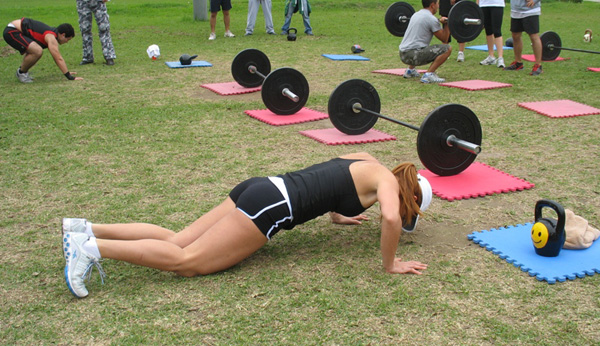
x=246, y=58
x=393, y=22
x=435, y=154
x=550, y=38
x=273, y=86
x=456, y=21
x=341, y=114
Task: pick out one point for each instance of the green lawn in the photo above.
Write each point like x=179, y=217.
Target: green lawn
x=141, y=142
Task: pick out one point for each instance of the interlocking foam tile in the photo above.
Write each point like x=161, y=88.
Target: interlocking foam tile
x=477, y=180
x=560, y=108
x=513, y=244
x=345, y=57
x=484, y=47
x=229, y=88
x=594, y=69
x=177, y=64
x=531, y=57
x=334, y=137
x=396, y=71
x=302, y=116
x=476, y=84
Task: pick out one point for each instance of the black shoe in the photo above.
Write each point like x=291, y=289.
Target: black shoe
x=110, y=62
x=85, y=62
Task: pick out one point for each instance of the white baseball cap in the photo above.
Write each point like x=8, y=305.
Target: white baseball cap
x=426, y=197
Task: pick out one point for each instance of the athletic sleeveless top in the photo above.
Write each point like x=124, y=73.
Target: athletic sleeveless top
x=37, y=30
x=322, y=188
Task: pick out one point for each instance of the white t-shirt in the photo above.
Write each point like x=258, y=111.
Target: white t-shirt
x=491, y=3
x=420, y=30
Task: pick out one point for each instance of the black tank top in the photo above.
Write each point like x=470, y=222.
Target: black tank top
x=37, y=31
x=322, y=188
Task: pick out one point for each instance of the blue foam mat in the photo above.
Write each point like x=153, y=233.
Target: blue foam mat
x=177, y=64
x=514, y=245
x=484, y=47
x=345, y=57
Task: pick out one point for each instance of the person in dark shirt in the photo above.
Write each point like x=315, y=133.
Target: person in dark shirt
x=255, y=210
x=30, y=37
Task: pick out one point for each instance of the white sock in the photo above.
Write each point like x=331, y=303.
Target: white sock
x=88, y=229
x=91, y=247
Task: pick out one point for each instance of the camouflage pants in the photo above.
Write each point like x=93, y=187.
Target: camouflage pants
x=85, y=9
x=418, y=57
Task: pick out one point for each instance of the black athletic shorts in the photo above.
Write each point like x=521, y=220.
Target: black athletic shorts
x=492, y=20
x=16, y=39
x=264, y=203
x=217, y=5
x=531, y=24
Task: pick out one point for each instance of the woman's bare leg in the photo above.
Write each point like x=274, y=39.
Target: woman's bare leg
x=223, y=245
x=139, y=231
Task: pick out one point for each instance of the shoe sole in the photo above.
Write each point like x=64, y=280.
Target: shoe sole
x=67, y=276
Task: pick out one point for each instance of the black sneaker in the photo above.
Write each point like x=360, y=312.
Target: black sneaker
x=85, y=62
x=514, y=66
x=537, y=70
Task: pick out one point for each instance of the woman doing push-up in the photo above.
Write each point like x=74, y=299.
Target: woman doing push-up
x=255, y=211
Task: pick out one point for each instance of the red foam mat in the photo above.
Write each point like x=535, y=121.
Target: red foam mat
x=560, y=108
x=531, y=57
x=396, y=71
x=229, y=88
x=476, y=84
x=594, y=69
x=477, y=180
x=334, y=137
x=302, y=116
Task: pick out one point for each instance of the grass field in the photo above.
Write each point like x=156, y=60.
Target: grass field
x=141, y=142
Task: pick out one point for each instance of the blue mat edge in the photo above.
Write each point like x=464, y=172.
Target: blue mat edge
x=473, y=237
x=198, y=63
x=348, y=57
x=483, y=47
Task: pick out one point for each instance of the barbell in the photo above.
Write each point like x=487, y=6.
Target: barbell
x=449, y=137
x=465, y=19
x=552, y=45
x=284, y=91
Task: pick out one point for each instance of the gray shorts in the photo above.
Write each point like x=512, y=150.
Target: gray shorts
x=423, y=56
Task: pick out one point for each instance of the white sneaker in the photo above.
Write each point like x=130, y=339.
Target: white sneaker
x=78, y=264
x=500, y=63
x=489, y=60
x=431, y=77
x=229, y=34
x=408, y=73
x=460, y=57
x=212, y=36
x=72, y=226
x=24, y=77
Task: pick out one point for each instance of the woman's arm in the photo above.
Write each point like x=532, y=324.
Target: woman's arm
x=391, y=228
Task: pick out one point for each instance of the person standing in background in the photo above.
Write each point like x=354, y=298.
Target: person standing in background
x=85, y=9
x=293, y=6
x=215, y=7
x=253, y=6
x=493, y=11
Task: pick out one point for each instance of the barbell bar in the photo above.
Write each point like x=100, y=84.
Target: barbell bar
x=449, y=137
x=552, y=45
x=284, y=91
x=465, y=19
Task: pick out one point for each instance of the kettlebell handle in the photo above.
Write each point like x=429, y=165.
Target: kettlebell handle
x=295, y=30
x=560, y=211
